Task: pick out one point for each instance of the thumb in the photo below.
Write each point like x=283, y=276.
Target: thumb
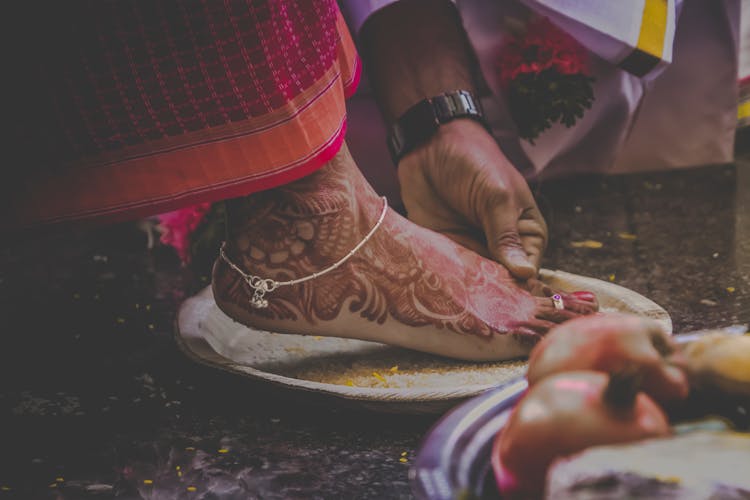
x=504, y=243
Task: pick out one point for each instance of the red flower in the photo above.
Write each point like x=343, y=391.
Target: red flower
x=178, y=226
x=542, y=47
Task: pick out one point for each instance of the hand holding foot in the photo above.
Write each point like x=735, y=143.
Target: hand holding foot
x=461, y=184
x=405, y=286
x=458, y=182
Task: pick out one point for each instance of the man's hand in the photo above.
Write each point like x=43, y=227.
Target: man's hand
x=460, y=184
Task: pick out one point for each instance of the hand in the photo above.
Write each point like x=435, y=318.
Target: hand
x=460, y=184
x=564, y=414
x=614, y=343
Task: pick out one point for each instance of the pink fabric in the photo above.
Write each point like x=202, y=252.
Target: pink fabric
x=178, y=226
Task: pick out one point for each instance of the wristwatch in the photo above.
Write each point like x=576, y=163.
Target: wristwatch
x=423, y=119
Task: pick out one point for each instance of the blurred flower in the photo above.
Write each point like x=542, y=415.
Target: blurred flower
x=178, y=226
x=542, y=47
x=543, y=73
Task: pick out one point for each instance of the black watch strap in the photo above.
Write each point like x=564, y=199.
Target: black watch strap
x=422, y=120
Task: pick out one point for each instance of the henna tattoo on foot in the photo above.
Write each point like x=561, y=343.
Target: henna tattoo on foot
x=404, y=272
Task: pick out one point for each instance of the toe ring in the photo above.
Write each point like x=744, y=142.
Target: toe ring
x=557, y=301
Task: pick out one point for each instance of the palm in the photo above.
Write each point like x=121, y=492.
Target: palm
x=460, y=184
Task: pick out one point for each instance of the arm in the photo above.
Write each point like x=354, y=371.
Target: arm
x=458, y=182
x=416, y=49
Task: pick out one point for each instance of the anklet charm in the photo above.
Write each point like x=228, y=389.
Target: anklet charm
x=261, y=286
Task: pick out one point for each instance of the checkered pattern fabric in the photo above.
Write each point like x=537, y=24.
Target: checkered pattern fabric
x=126, y=108
x=127, y=72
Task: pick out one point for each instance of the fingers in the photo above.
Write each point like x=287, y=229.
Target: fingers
x=504, y=242
x=676, y=385
x=467, y=239
x=661, y=341
x=534, y=247
x=515, y=230
x=607, y=342
x=666, y=376
x=533, y=231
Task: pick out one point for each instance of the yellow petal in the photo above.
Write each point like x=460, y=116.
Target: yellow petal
x=379, y=377
x=586, y=244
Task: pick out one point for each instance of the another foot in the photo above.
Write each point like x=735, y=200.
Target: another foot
x=406, y=286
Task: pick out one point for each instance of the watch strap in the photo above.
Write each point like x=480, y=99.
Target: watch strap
x=423, y=119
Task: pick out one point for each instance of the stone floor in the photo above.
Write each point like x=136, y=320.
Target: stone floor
x=96, y=402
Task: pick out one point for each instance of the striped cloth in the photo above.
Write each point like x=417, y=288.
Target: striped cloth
x=636, y=35
x=136, y=107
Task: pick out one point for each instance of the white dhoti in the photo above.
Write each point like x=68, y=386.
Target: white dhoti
x=685, y=116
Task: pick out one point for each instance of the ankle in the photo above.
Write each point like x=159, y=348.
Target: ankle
x=306, y=225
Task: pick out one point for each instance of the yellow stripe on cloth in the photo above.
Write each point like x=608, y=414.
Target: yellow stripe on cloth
x=653, y=27
x=743, y=110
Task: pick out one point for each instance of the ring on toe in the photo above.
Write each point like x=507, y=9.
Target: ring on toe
x=557, y=301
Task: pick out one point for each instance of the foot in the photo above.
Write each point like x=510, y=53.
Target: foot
x=406, y=286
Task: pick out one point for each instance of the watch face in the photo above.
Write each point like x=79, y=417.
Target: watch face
x=419, y=123
x=422, y=120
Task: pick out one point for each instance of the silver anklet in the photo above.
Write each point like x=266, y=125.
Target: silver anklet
x=261, y=286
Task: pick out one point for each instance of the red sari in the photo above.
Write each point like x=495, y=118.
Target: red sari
x=142, y=107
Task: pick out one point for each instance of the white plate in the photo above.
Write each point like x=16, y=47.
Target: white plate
x=369, y=374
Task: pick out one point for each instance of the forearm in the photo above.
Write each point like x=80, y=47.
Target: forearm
x=415, y=49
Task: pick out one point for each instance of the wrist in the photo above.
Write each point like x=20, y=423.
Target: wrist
x=423, y=120
x=456, y=144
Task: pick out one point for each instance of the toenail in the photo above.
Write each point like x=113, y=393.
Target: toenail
x=583, y=295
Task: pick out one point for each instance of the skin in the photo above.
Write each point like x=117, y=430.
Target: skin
x=610, y=343
x=562, y=415
x=406, y=286
x=718, y=363
x=459, y=182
